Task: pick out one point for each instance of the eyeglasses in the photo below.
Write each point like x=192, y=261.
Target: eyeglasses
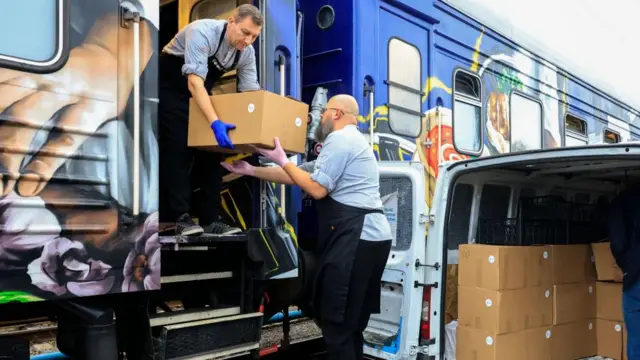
x=336, y=109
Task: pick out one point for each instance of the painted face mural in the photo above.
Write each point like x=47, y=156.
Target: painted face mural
x=66, y=212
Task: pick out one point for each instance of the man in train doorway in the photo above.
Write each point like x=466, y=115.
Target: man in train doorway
x=354, y=237
x=189, y=66
x=624, y=233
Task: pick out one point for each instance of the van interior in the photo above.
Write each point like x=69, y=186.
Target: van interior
x=554, y=202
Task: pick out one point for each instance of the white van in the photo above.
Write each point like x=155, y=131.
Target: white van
x=412, y=322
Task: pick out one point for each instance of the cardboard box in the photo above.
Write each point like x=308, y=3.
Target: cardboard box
x=575, y=340
x=606, y=267
x=573, y=302
x=609, y=338
x=504, y=267
x=609, y=301
x=505, y=311
x=572, y=264
x=259, y=116
x=451, y=299
x=532, y=344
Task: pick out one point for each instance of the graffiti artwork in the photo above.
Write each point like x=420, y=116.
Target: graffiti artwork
x=68, y=227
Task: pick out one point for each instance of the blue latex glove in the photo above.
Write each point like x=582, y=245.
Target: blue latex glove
x=220, y=130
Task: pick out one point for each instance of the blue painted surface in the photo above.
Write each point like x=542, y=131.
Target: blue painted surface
x=50, y=356
x=340, y=58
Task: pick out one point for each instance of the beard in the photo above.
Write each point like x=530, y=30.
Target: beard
x=322, y=131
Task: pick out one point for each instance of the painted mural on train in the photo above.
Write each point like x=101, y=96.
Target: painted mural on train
x=66, y=209
x=509, y=76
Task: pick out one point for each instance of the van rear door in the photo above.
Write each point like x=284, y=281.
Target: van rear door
x=561, y=160
x=393, y=334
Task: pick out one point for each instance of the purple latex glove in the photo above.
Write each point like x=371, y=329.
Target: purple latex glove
x=276, y=155
x=220, y=130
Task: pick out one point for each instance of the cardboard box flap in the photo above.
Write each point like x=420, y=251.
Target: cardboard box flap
x=606, y=267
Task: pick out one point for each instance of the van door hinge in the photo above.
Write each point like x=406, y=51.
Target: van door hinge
x=431, y=219
x=417, y=284
x=419, y=264
x=427, y=218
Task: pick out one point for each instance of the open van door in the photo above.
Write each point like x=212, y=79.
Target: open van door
x=594, y=166
x=394, y=333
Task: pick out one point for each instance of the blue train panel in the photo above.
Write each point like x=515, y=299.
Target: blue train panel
x=430, y=67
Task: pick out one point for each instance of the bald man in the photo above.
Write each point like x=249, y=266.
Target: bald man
x=354, y=237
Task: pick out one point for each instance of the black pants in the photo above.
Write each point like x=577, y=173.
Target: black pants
x=176, y=160
x=345, y=341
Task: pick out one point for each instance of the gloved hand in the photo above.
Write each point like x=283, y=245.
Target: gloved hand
x=276, y=155
x=220, y=130
x=239, y=167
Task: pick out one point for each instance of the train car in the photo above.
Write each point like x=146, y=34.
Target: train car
x=78, y=86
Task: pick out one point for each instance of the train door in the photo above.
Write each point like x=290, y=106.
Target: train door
x=403, y=44
x=277, y=57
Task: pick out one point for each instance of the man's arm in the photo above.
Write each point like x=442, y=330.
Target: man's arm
x=195, y=68
x=327, y=170
x=247, y=72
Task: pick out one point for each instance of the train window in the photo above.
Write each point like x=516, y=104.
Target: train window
x=611, y=137
x=575, y=130
x=38, y=41
x=467, y=110
x=405, y=88
x=526, y=123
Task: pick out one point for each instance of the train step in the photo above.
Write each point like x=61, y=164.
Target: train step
x=206, y=334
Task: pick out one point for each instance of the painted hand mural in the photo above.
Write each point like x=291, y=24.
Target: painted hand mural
x=65, y=211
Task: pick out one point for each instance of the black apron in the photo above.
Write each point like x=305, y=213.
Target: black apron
x=339, y=230
x=172, y=80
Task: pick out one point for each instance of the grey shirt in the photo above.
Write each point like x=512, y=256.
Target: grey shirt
x=199, y=40
x=348, y=169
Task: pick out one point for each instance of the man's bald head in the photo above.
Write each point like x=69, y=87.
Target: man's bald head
x=346, y=103
x=341, y=110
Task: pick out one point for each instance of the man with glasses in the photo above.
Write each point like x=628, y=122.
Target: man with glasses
x=190, y=65
x=354, y=237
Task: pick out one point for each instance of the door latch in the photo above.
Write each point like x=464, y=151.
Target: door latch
x=417, y=284
x=418, y=264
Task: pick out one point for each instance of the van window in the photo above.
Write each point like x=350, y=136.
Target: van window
x=405, y=88
x=575, y=130
x=397, y=196
x=493, y=225
x=458, y=231
x=526, y=123
x=37, y=40
x=467, y=110
x=611, y=137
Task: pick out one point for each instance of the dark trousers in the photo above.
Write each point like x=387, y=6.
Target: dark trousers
x=344, y=341
x=176, y=160
x=631, y=311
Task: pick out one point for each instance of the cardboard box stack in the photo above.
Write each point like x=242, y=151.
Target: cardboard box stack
x=574, y=303
x=611, y=332
x=539, y=302
x=505, y=303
